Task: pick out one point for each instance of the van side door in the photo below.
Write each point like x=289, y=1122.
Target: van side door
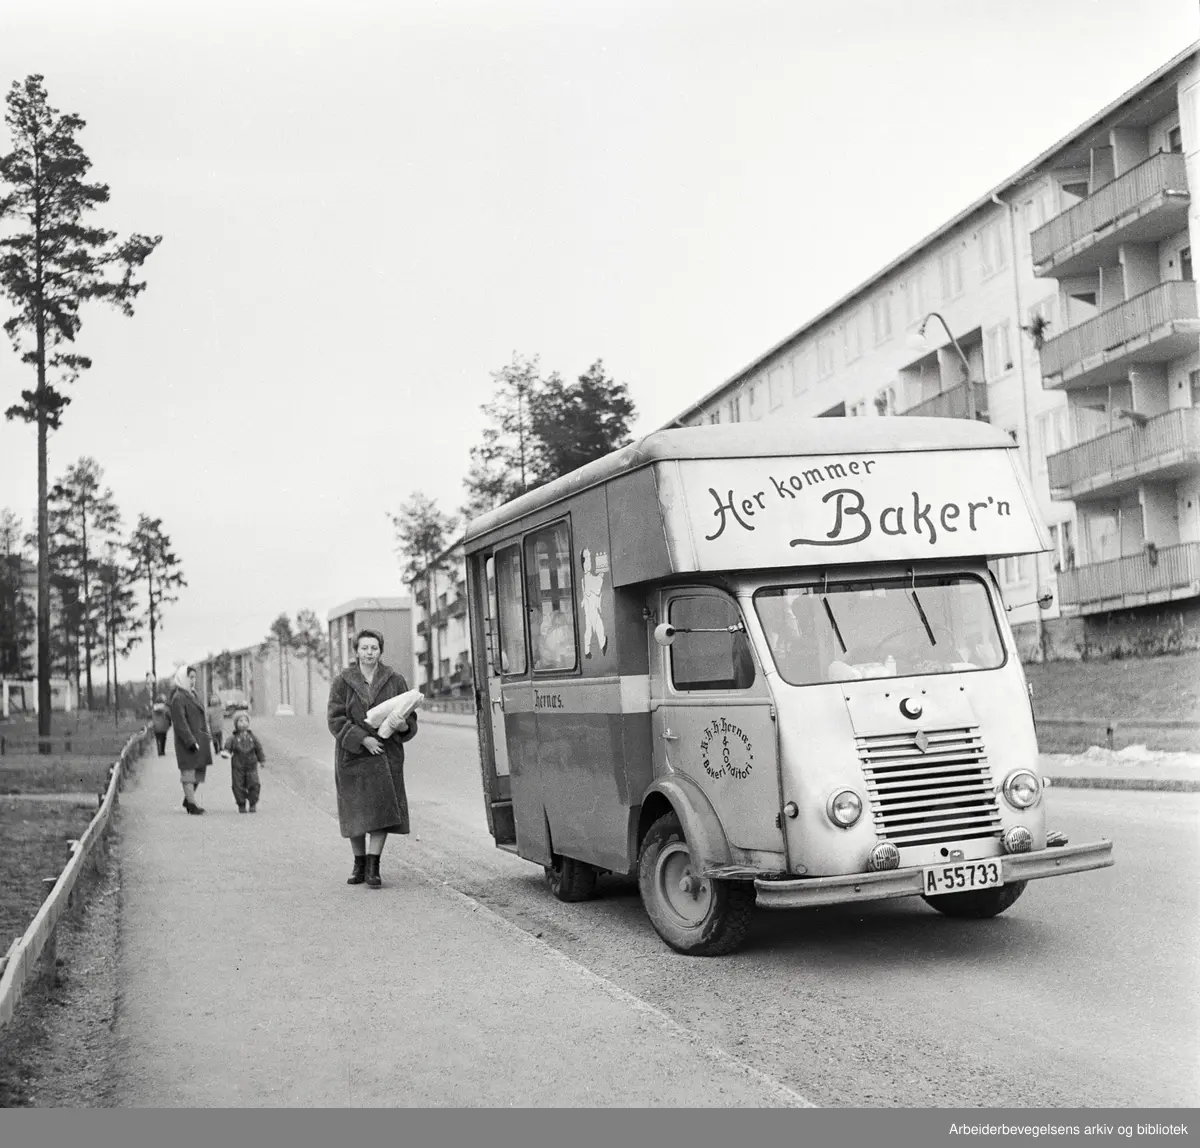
x=713, y=719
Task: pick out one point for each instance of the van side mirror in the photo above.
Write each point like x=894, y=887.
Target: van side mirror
x=664, y=633
x=1046, y=600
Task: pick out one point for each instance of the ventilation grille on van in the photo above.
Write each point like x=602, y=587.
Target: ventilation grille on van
x=942, y=794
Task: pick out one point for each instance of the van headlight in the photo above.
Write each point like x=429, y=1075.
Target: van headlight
x=844, y=808
x=1022, y=789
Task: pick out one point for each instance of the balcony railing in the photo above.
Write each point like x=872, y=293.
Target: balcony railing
x=1155, y=575
x=1150, y=313
x=1166, y=440
x=1161, y=174
x=954, y=403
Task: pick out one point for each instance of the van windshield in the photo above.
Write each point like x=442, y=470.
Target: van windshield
x=935, y=624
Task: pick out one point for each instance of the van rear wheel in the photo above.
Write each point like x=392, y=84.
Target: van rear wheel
x=980, y=904
x=571, y=880
x=695, y=915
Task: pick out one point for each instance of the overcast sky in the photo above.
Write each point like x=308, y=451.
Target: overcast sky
x=368, y=206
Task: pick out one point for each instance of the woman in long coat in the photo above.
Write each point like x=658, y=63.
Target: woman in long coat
x=368, y=772
x=193, y=743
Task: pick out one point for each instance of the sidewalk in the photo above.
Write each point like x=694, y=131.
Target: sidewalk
x=252, y=975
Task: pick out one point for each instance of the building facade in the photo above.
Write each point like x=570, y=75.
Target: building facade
x=440, y=596
x=392, y=617
x=1062, y=308
x=265, y=680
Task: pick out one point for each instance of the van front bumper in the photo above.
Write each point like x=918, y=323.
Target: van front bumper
x=803, y=892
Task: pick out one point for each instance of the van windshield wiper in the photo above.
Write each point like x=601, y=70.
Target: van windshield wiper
x=833, y=622
x=924, y=621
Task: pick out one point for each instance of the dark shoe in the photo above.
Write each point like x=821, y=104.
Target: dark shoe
x=241, y=809
x=373, y=878
x=192, y=807
x=254, y=809
x=359, y=873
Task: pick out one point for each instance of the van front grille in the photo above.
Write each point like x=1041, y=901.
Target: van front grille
x=942, y=794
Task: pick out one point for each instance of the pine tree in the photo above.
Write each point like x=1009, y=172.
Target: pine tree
x=51, y=262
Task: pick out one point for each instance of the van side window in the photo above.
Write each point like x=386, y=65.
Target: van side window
x=511, y=606
x=720, y=661
x=548, y=574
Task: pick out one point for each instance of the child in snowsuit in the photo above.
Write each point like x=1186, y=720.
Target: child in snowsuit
x=246, y=753
x=162, y=723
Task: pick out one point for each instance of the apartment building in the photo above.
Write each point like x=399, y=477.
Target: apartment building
x=440, y=595
x=391, y=617
x=1061, y=307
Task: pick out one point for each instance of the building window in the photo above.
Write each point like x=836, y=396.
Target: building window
x=735, y=409
x=857, y=410
x=852, y=336
x=799, y=374
x=885, y=401
x=549, y=598
x=1185, y=264
x=1175, y=140
x=825, y=356
x=881, y=319
x=914, y=299
x=715, y=416
x=1014, y=570
x=777, y=385
x=998, y=350
x=993, y=251
x=950, y=266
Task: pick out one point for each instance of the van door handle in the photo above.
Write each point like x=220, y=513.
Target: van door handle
x=497, y=702
x=669, y=736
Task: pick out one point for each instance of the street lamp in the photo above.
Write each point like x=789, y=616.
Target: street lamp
x=917, y=341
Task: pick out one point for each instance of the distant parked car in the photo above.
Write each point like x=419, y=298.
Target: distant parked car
x=284, y=711
x=233, y=700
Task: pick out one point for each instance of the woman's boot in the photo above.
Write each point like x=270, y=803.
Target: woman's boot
x=373, y=878
x=359, y=873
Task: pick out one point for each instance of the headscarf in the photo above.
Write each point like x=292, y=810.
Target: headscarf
x=181, y=679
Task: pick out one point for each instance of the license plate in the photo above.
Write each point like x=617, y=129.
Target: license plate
x=963, y=877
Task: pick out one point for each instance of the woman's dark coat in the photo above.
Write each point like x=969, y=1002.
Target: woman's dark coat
x=370, y=788
x=162, y=717
x=193, y=742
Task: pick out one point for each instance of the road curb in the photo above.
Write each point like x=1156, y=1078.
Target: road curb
x=1157, y=784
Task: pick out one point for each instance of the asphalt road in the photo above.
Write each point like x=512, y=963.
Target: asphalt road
x=1085, y=993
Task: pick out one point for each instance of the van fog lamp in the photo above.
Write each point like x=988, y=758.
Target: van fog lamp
x=1018, y=839
x=844, y=808
x=883, y=855
x=1021, y=789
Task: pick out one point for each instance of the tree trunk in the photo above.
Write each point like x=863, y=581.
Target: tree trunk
x=308, y=669
x=153, y=657
x=86, y=612
x=43, y=571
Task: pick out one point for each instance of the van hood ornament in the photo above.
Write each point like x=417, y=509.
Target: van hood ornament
x=921, y=741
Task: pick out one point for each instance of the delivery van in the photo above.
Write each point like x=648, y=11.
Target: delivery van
x=766, y=665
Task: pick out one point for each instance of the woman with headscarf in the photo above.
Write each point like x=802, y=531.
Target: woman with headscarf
x=193, y=742
x=368, y=772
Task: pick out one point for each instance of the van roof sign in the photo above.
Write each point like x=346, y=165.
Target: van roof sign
x=821, y=491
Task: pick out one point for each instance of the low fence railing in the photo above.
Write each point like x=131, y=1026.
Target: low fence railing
x=954, y=403
x=19, y=964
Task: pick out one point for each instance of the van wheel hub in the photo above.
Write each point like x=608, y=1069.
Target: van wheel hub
x=680, y=889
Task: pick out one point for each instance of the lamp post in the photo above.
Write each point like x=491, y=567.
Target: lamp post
x=917, y=340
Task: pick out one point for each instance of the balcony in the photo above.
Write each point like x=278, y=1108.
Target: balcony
x=954, y=403
x=1167, y=447
x=1155, y=327
x=1146, y=204
x=1139, y=580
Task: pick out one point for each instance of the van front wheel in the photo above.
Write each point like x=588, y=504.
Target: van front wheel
x=693, y=914
x=980, y=904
